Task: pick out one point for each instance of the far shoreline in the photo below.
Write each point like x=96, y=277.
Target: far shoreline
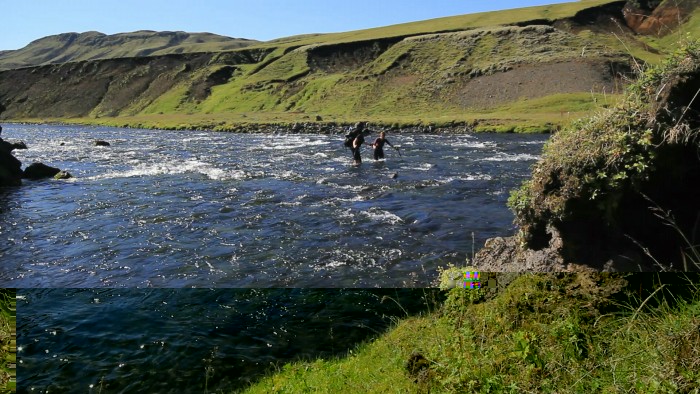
x=302, y=127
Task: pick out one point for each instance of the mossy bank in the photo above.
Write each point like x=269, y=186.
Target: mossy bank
x=617, y=190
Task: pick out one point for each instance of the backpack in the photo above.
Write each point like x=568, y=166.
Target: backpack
x=349, y=138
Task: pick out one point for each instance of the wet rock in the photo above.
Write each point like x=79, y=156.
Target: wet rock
x=101, y=143
x=297, y=127
x=10, y=166
x=63, y=175
x=10, y=170
x=19, y=145
x=39, y=171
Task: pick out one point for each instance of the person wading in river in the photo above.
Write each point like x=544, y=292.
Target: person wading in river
x=356, y=146
x=378, y=146
x=355, y=134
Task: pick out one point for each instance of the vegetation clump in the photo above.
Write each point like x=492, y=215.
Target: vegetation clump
x=623, y=175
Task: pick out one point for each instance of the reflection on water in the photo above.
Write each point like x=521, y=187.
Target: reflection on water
x=172, y=341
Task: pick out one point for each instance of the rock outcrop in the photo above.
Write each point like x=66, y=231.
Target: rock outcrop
x=656, y=17
x=618, y=191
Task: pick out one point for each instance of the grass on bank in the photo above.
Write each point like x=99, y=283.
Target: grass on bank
x=544, y=114
x=544, y=333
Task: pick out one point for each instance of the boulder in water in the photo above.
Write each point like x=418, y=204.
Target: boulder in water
x=10, y=170
x=39, y=171
x=10, y=167
x=101, y=143
x=63, y=175
x=18, y=145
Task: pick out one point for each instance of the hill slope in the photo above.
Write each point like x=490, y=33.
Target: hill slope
x=534, y=66
x=71, y=47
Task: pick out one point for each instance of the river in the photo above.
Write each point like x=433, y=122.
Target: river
x=175, y=209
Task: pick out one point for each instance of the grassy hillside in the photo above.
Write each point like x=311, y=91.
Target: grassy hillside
x=535, y=68
x=447, y=24
x=566, y=333
x=72, y=47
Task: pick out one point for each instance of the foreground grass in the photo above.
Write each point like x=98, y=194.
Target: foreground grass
x=8, y=347
x=544, y=333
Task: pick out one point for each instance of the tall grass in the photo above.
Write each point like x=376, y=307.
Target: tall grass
x=563, y=333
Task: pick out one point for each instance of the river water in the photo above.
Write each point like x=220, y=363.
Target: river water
x=177, y=209
x=191, y=340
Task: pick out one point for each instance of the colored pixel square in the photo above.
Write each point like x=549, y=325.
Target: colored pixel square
x=471, y=275
x=472, y=280
x=472, y=285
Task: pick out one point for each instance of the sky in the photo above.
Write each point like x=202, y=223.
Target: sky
x=24, y=21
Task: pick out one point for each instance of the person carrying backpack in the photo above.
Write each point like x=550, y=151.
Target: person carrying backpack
x=354, y=139
x=352, y=134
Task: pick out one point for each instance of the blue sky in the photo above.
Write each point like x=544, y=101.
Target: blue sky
x=26, y=20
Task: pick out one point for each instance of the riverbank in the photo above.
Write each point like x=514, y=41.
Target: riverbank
x=617, y=190
x=530, y=116
x=562, y=333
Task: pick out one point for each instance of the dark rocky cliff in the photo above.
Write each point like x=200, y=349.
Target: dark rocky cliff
x=657, y=17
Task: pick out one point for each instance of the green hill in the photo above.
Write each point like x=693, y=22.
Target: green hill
x=72, y=47
x=528, y=69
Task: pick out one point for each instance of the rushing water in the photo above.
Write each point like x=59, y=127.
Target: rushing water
x=186, y=340
x=204, y=209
